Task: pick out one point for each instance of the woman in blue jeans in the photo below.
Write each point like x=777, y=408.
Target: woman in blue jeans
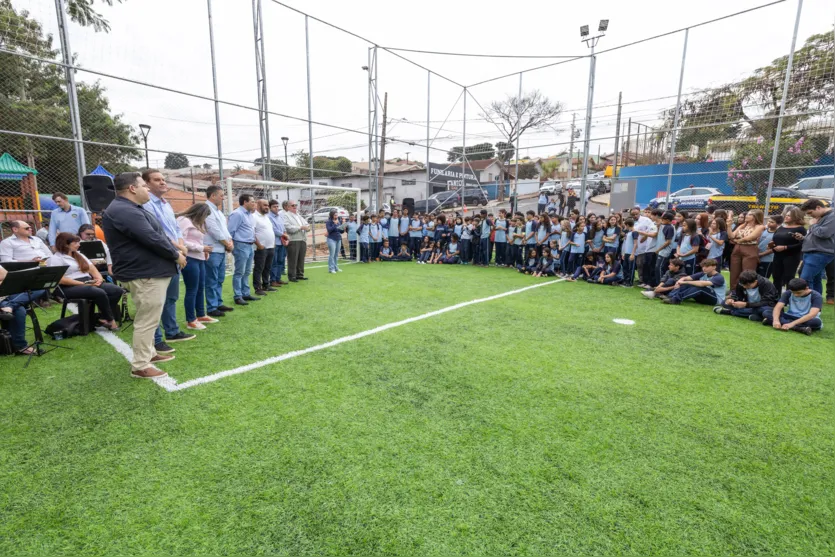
x=192, y=223
x=334, y=241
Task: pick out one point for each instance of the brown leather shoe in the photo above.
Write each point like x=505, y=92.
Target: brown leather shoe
x=276, y=283
x=148, y=373
x=159, y=358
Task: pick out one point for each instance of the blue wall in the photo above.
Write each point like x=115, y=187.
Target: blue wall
x=652, y=179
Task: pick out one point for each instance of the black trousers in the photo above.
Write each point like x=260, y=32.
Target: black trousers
x=262, y=263
x=830, y=280
x=106, y=297
x=296, y=250
x=784, y=268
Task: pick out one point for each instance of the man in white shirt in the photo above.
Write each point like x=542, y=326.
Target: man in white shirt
x=22, y=245
x=644, y=257
x=264, y=249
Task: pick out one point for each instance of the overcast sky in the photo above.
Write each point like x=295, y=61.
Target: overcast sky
x=166, y=42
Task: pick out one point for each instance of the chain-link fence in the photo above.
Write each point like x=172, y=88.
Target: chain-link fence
x=709, y=114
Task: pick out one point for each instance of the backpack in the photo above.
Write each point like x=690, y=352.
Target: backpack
x=6, y=348
x=64, y=328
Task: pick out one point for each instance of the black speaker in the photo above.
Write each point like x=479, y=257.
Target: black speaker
x=98, y=191
x=409, y=203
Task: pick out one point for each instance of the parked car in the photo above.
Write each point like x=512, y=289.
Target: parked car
x=474, y=196
x=694, y=198
x=780, y=198
x=821, y=187
x=551, y=187
x=438, y=202
x=321, y=215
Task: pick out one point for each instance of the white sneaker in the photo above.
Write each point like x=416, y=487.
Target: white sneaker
x=195, y=326
x=338, y=270
x=332, y=272
x=648, y=294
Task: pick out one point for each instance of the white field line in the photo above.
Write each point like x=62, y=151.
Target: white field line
x=172, y=385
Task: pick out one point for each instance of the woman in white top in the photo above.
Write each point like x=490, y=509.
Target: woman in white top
x=82, y=279
x=192, y=224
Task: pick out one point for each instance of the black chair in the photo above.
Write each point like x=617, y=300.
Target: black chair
x=86, y=312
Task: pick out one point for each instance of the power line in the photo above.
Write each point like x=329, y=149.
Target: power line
x=469, y=54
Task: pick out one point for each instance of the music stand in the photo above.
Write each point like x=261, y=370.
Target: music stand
x=92, y=249
x=25, y=282
x=12, y=266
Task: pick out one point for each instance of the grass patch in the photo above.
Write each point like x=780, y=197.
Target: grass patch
x=526, y=425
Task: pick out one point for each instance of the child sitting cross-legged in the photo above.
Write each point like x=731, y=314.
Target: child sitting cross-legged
x=588, y=270
x=545, y=267
x=405, y=254
x=610, y=273
x=426, y=250
x=753, y=298
x=528, y=266
x=707, y=287
x=675, y=270
x=451, y=255
x=797, y=310
x=385, y=251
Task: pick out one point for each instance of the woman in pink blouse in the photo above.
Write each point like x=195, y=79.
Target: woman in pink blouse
x=192, y=223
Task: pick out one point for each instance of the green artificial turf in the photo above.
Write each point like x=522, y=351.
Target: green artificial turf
x=531, y=424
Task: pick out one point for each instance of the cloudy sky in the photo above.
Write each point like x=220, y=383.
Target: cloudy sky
x=166, y=43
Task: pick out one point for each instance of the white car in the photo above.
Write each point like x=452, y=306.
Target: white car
x=693, y=198
x=818, y=187
x=551, y=187
x=321, y=215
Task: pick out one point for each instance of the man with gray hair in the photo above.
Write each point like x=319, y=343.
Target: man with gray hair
x=296, y=228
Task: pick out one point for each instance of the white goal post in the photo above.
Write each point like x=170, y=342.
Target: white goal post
x=269, y=189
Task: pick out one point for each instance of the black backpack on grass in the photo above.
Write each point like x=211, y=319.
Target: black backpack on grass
x=67, y=327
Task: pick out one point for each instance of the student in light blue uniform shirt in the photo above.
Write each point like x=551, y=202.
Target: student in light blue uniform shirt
x=611, y=236
x=500, y=238
x=393, y=232
x=577, y=248
x=365, y=239
x=689, y=246
x=352, y=228
x=717, y=236
x=375, y=238
x=530, y=233
x=415, y=235
x=707, y=287
x=628, y=252
x=798, y=310
x=766, y=253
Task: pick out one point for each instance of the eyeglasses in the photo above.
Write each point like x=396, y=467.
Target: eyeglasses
x=293, y=205
x=26, y=228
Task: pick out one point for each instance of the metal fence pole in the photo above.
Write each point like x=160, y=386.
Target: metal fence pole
x=515, y=195
x=72, y=95
x=464, y=148
x=428, y=99
x=310, y=135
x=590, y=100
x=228, y=205
x=370, y=133
x=214, y=88
x=779, y=131
x=675, y=121
x=261, y=84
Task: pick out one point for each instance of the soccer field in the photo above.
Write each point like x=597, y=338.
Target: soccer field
x=528, y=423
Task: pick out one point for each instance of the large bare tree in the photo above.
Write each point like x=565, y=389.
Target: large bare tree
x=515, y=115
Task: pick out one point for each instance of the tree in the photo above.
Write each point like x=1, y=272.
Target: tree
x=505, y=150
x=748, y=108
x=82, y=12
x=549, y=168
x=477, y=152
x=176, y=160
x=207, y=166
x=527, y=171
x=749, y=169
x=516, y=115
x=33, y=99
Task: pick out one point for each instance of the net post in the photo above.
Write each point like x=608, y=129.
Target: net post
x=228, y=206
x=359, y=208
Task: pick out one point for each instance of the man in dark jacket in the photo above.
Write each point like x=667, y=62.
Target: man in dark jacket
x=753, y=298
x=145, y=260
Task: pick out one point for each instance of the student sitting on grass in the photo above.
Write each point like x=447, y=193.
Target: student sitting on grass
x=451, y=255
x=437, y=253
x=798, y=309
x=545, y=267
x=588, y=270
x=385, y=251
x=707, y=287
x=405, y=254
x=530, y=263
x=611, y=273
x=753, y=298
x=426, y=250
x=675, y=271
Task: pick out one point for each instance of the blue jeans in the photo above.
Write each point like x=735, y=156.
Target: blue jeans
x=758, y=313
x=194, y=276
x=17, y=326
x=785, y=318
x=244, y=254
x=169, y=311
x=699, y=294
x=215, y=273
x=279, y=259
x=814, y=262
x=333, y=254
x=485, y=251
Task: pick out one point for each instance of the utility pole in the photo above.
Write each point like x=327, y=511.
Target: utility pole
x=617, y=139
x=628, y=139
x=571, y=148
x=381, y=164
x=407, y=156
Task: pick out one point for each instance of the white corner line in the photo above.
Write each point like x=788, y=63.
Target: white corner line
x=171, y=385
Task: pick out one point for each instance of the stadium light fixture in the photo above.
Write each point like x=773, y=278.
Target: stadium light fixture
x=604, y=24
x=584, y=31
x=145, y=129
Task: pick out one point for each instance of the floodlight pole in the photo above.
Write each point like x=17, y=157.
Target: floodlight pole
x=72, y=94
x=428, y=98
x=782, y=110
x=214, y=86
x=592, y=66
x=261, y=85
x=514, y=203
x=675, y=122
x=310, y=138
